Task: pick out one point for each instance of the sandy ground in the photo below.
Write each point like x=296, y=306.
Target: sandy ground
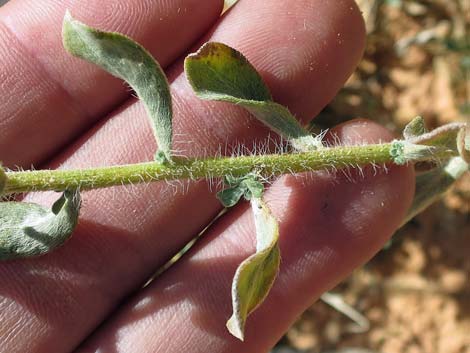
x=415, y=294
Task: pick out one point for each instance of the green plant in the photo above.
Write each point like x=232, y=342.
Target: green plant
x=216, y=72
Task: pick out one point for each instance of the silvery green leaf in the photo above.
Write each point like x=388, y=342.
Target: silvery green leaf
x=254, y=188
x=231, y=180
x=129, y=61
x=443, y=143
x=255, y=276
x=27, y=229
x=229, y=197
x=433, y=184
x=454, y=139
x=248, y=186
x=446, y=136
x=414, y=128
x=218, y=72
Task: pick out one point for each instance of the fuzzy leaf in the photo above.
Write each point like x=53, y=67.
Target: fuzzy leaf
x=218, y=72
x=229, y=197
x=254, y=188
x=449, y=140
x=129, y=61
x=248, y=186
x=433, y=184
x=255, y=276
x=446, y=136
x=414, y=128
x=27, y=229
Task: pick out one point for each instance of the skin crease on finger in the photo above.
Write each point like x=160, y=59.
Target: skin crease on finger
x=124, y=234
x=63, y=95
x=329, y=224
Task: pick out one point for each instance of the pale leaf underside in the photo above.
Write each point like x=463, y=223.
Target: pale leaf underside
x=129, y=61
x=255, y=275
x=28, y=230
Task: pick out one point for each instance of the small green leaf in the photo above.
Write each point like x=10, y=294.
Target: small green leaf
x=255, y=276
x=415, y=128
x=218, y=72
x=27, y=229
x=229, y=197
x=247, y=186
x=254, y=188
x=129, y=61
x=3, y=179
x=446, y=136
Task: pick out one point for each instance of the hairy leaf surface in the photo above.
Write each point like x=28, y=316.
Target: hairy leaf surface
x=255, y=276
x=129, y=61
x=247, y=186
x=432, y=184
x=27, y=229
x=453, y=137
x=218, y=72
x=414, y=128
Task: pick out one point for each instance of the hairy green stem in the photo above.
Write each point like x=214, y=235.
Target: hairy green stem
x=187, y=168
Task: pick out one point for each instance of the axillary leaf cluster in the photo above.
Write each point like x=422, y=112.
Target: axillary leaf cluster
x=215, y=72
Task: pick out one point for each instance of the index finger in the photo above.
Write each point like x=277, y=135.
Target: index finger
x=49, y=97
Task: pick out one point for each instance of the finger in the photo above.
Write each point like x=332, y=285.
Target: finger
x=49, y=97
x=125, y=234
x=329, y=224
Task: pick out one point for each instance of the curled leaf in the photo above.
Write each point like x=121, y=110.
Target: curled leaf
x=448, y=141
x=255, y=276
x=463, y=143
x=218, y=72
x=27, y=229
x=433, y=184
x=229, y=197
x=248, y=186
x=446, y=136
x=129, y=61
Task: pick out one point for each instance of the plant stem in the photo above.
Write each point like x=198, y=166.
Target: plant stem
x=186, y=168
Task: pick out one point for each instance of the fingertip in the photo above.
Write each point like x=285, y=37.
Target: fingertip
x=305, y=50
x=366, y=202
x=363, y=131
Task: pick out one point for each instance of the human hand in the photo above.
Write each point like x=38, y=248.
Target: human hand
x=329, y=225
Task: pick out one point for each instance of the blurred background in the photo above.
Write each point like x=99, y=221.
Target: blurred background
x=414, y=296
